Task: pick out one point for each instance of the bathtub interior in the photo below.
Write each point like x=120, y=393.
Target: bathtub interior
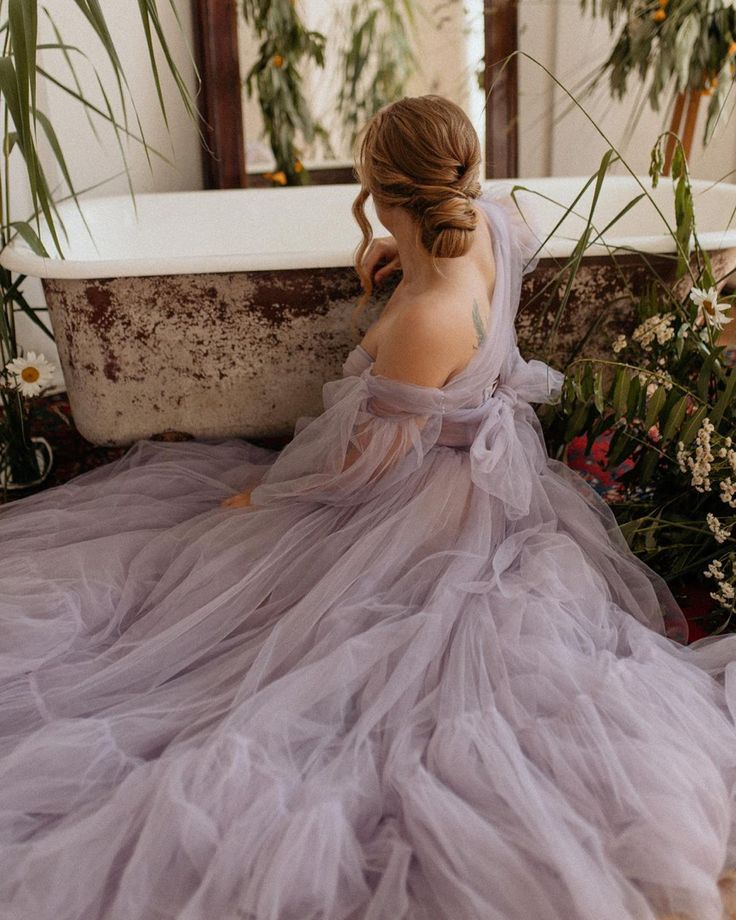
x=313, y=226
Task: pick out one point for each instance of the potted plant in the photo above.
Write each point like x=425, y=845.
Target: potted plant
x=25, y=461
x=22, y=463
x=666, y=395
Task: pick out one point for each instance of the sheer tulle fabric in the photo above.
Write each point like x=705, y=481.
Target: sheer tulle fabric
x=422, y=677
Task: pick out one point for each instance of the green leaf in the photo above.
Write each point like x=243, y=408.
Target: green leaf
x=23, y=306
x=685, y=38
x=706, y=371
x=65, y=49
x=576, y=423
x=598, y=396
x=675, y=419
x=654, y=406
x=23, y=24
x=30, y=236
x=91, y=10
x=646, y=467
x=56, y=149
x=586, y=382
x=120, y=144
x=144, y=11
x=617, y=217
x=621, y=447
x=632, y=400
x=40, y=195
x=692, y=426
x=106, y=116
x=620, y=392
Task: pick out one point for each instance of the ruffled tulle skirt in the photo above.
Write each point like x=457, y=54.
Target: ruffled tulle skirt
x=410, y=707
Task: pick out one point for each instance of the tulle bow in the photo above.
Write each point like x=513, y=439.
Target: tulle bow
x=508, y=450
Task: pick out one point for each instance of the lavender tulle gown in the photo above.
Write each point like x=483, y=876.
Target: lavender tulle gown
x=435, y=685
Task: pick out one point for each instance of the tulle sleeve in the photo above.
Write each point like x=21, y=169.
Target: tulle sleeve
x=525, y=243
x=374, y=432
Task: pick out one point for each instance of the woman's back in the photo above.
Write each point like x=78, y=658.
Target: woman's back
x=450, y=311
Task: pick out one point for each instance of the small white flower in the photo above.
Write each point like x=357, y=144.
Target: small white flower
x=698, y=461
x=715, y=570
x=720, y=532
x=709, y=310
x=31, y=374
x=724, y=594
x=728, y=491
x=657, y=327
x=619, y=343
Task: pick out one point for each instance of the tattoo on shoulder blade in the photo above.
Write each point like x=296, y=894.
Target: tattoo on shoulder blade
x=478, y=323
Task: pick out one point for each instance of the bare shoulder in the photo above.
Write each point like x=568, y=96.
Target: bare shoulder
x=421, y=345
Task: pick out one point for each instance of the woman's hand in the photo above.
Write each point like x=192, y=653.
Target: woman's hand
x=382, y=257
x=241, y=500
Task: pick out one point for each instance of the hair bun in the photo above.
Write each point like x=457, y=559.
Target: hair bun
x=446, y=225
x=423, y=154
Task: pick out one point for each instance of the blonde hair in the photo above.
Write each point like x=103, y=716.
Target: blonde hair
x=421, y=153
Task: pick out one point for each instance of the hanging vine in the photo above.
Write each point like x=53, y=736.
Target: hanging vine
x=378, y=60
x=374, y=66
x=276, y=76
x=685, y=45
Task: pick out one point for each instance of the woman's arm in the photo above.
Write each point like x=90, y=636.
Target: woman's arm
x=381, y=257
x=239, y=500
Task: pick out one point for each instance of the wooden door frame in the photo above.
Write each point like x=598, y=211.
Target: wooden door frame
x=502, y=108
x=215, y=27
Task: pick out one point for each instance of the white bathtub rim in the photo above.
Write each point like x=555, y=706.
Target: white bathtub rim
x=19, y=257
x=26, y=262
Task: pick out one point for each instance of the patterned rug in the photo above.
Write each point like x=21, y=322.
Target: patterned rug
x=52, y=418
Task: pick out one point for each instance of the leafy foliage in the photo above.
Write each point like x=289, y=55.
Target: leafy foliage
x=374, y=65
x=276, y=78
x=378, y=60
x=668, y=395
x=20, y=71
x=685, y=44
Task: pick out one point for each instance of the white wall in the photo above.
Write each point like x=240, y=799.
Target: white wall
x=91, y=161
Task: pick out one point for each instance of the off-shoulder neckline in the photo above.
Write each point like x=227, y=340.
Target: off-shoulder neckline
x=365, y=352
x=481, y=352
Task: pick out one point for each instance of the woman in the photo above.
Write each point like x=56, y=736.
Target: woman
x=409, y=670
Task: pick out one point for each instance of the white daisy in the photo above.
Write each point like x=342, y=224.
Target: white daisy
x=32, y=373
x=709, y=310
